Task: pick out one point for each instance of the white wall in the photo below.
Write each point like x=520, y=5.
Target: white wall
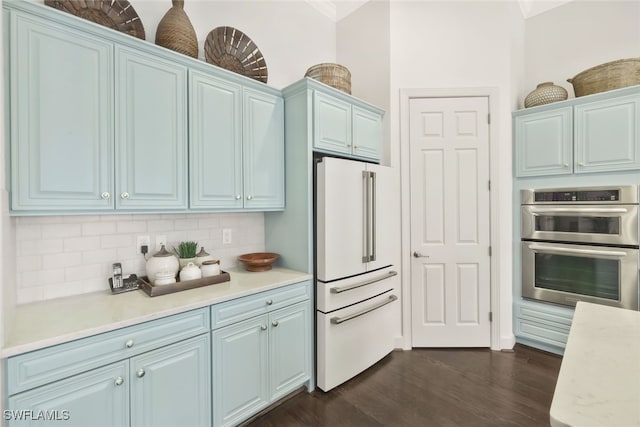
x=567, y=40
x=292, y=35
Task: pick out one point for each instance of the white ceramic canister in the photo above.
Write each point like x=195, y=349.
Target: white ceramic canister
x=165, y=278
x=190, y=272
x=203, y=256
x=161, y=261
x=210, y=268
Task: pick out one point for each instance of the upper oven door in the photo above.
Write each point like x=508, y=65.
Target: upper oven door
x=600, y=224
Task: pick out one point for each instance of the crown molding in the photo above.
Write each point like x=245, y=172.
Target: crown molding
x=326, y=7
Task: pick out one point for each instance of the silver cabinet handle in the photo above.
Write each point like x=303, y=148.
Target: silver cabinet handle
x=263, y=327
x=105, y=195
x=129, y=344
x=417, y=254
x=338, y=320
x=249, y=197
x=119, y=381
x=340, y=289
x=274, y=323
x=124, y=195
x=269, y=302
x=238, y=197
x=140, y=373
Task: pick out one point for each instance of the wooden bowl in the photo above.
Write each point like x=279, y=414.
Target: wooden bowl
x=258, y=261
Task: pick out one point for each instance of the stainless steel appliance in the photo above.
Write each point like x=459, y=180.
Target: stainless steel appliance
x=356, y=283
x=581, y=244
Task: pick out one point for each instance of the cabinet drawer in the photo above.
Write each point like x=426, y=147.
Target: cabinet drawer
x=53, y=363
x=244, y=308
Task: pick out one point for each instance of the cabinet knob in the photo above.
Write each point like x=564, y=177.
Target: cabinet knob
x=124, y=195
x=349, y=145
x=355, y=147
x=119, y=381
x=105, y=195
x=269, y=302
x=238, y=197
x=129, y=344
x=566, y=165
x=263, y=327
x=274, y=323
x=140, y=373
x=249, y=197
x=581, y=164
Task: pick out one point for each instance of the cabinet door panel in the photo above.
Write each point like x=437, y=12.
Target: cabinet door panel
x=240, y=370
x=544, y=143
x=151, y=139
x=171, y=386
x=607, y=136
x=289, y=348
x=367, y=133
x=96, y=398
x=332, y=124
x=263, y=150
x=215, y=147
x=62, y=117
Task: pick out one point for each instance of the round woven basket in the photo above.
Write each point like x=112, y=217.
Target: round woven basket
x=334, y=75
x=607, y=76
x=545, y=93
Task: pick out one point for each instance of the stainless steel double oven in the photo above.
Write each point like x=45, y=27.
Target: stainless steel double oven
x=581, y=244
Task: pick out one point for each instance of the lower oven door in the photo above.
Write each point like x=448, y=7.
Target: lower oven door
x=565, y=274
x=353, y=338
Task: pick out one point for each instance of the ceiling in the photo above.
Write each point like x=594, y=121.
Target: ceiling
x=338, y=9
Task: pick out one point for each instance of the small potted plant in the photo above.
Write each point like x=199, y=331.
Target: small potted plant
x=186, y=252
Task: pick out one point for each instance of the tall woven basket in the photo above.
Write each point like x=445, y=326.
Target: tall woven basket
x=334, y=75
x=175, y=31
x=607, y=76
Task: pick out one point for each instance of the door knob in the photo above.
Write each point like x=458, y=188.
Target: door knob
x=417, y=254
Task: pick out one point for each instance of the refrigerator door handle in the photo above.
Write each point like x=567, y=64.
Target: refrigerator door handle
x=372, y=211
x=366, y=250
x=339, y=320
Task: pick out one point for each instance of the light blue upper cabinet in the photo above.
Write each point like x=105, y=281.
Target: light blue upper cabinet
x=215, y=150
x=151, y=131
x=61, y=117
x=263, y=134
x=544, y=143
x=367, y=133
x=607, y=136
x=594, y=133
x=332, y=120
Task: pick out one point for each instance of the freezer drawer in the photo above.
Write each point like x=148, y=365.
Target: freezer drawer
x=354, y=338
x=341, y=293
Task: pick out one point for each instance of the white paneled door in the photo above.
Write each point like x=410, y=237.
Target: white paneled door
x=450, y=222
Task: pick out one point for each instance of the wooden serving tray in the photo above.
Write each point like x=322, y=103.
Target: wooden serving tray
x=154, y=291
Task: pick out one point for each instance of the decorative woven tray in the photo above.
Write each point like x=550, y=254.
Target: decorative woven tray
x=154, y=291
x=116, y=14
x=233, y=50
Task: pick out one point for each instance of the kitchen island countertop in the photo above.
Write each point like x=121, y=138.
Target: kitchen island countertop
x=41, y=324
x=599, y=380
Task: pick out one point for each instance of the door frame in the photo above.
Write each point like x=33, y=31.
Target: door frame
x=405, y=97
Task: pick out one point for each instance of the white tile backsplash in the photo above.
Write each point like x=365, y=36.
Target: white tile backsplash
x=60, y=256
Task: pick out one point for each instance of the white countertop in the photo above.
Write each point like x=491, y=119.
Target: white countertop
x=32, y=326
x=599, y=380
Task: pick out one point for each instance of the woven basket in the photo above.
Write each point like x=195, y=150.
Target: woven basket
x=607, y=76
x=175, y=31
x=334, y=75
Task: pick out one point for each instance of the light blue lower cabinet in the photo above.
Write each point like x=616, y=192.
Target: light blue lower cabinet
x=258, y=361
x=97, y=398
x=171, y=386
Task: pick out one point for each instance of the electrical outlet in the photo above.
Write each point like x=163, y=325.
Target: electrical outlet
x=161, y=240
x=226, y=236
x=144, y=241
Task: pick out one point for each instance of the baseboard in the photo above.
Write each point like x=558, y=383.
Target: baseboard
x=507, y=342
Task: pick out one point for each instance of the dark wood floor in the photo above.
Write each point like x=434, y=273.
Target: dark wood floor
x=433, y=387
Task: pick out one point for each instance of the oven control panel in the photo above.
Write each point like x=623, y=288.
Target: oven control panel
x=578, y=196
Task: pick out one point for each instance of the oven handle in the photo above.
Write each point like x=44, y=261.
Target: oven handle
x=338, y=320
x=616, y=254
x=340, y=289
x=536, y=209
